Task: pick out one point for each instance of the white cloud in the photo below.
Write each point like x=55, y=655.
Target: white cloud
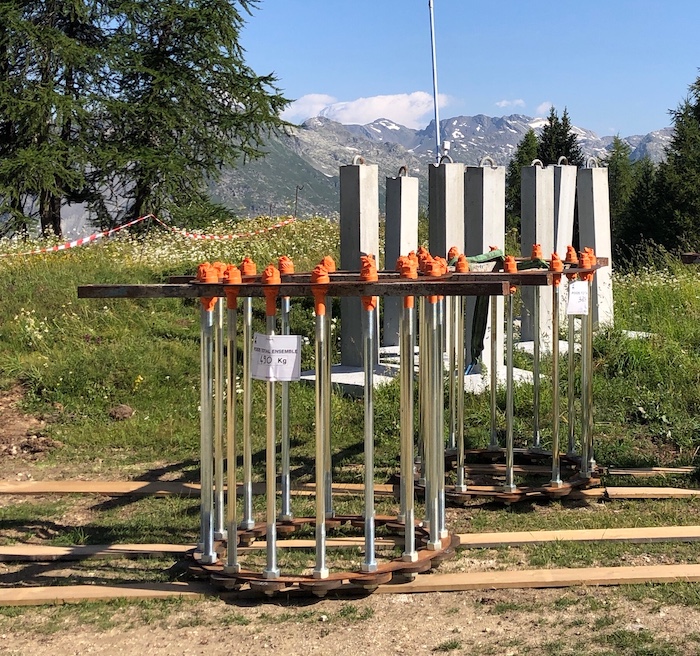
x=543, y=108
x=307, y=106
x=413, y=110
x=510, y=103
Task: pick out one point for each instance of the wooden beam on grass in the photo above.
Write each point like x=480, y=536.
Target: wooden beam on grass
x=545, y=578
x=73, y=594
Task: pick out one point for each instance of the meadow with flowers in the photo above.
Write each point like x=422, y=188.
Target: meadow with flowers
x=69, y=363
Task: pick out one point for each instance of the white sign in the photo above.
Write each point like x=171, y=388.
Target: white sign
x=578, y=298
x=276, y=357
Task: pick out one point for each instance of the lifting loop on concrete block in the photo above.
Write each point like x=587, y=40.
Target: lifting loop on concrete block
x=591, y=163
x=445, y=158
x=563, y=161
x=537, y=162
x=488, y=159
x=403, y=171
x=358, y=159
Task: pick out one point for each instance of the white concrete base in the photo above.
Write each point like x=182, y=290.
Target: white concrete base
x=529, y=347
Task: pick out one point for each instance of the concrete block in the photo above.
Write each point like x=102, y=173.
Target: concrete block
x=401, y=239
x=445, y=207
x=537, y=227
x=359, y=234
x=594, y=228
x=485, y=226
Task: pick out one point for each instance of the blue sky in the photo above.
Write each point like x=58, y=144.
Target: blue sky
x=618, y=66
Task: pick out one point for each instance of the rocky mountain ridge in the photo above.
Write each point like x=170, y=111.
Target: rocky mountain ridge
x=304, y=162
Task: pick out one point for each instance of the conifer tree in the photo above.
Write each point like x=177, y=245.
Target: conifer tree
x=188, y=104
x=621, y=180
x=524, y=154
x=678, y=179
x=558, y=140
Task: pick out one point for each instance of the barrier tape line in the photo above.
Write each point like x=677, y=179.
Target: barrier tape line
x=208, y=237
x=183, y=233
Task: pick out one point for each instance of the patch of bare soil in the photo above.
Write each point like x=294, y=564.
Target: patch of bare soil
x=21, y=436
x=506, y=622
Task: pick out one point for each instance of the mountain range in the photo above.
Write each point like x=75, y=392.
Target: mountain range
x=304, y=163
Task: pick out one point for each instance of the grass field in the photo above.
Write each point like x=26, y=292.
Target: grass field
x=74, y=360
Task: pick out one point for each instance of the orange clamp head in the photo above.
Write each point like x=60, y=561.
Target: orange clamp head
x=320, y=280
x=206, y=273
x=591, y=255
x=571, y=257
x=432, y=268
x=271, y=276
x=557, y=266
x=442, y=263
x=232, y=276
x=510, y=266
x=413, y=256
x=462, y=264
x=536, y=252
x=452, y=253
x=409, y=270
x=368, y=273
x=286, y=266
x=248, y=267
x=328, y=263
x=220, y=268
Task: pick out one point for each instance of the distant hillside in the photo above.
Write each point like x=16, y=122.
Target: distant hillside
x=310, y=156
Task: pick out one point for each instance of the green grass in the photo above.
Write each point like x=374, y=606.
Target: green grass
x=76, y=359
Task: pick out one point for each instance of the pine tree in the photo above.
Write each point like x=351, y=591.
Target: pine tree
x=678, y=179
x=187, y=104
x=558, y=140
x=51, y=65
x=524, y=154
x=621, y=179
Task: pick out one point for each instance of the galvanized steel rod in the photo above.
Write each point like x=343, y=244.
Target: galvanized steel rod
x=461, y=484
x=220, y=511
x=271, y=571
x=509, y=485
x=370, y=562
x=320, y=567
x=285, y=482
x=206, y=438
x=406, y=355
x=536, y=437
x=248, y=520
x=232, y=565
x=493, y=374
x=440, y=418
x=556, y=462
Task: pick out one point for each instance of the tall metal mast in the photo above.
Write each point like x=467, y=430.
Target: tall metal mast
x=435, y=83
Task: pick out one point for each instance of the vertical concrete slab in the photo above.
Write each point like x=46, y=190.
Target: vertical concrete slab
x=594, y=228
x=445, y=207
x=485, y=226
x=564, y=204
x=359, y=234
x=537, y=227
x=401, y=239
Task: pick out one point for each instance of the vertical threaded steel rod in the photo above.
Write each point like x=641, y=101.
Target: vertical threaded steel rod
x=247, y=521
x=286, y=482
x=232, y=565
x=493, y=443
x=271, y=571
x=556, y=462
x=461, y=486
x=509, y=485
x=220, y=511
x=320, y=568
x=536, y=370
x=368, y=318
x=406, y=355
x=207, y=438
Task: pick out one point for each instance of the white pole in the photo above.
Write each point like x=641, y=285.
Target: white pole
x=435, y=83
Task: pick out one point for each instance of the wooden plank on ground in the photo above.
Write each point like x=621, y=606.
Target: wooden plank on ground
x=631, y=535
x=650, y=493
x=71, y=594
x=647, y=472
x=47, y=553
x=160, y=488
x=545, y=578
